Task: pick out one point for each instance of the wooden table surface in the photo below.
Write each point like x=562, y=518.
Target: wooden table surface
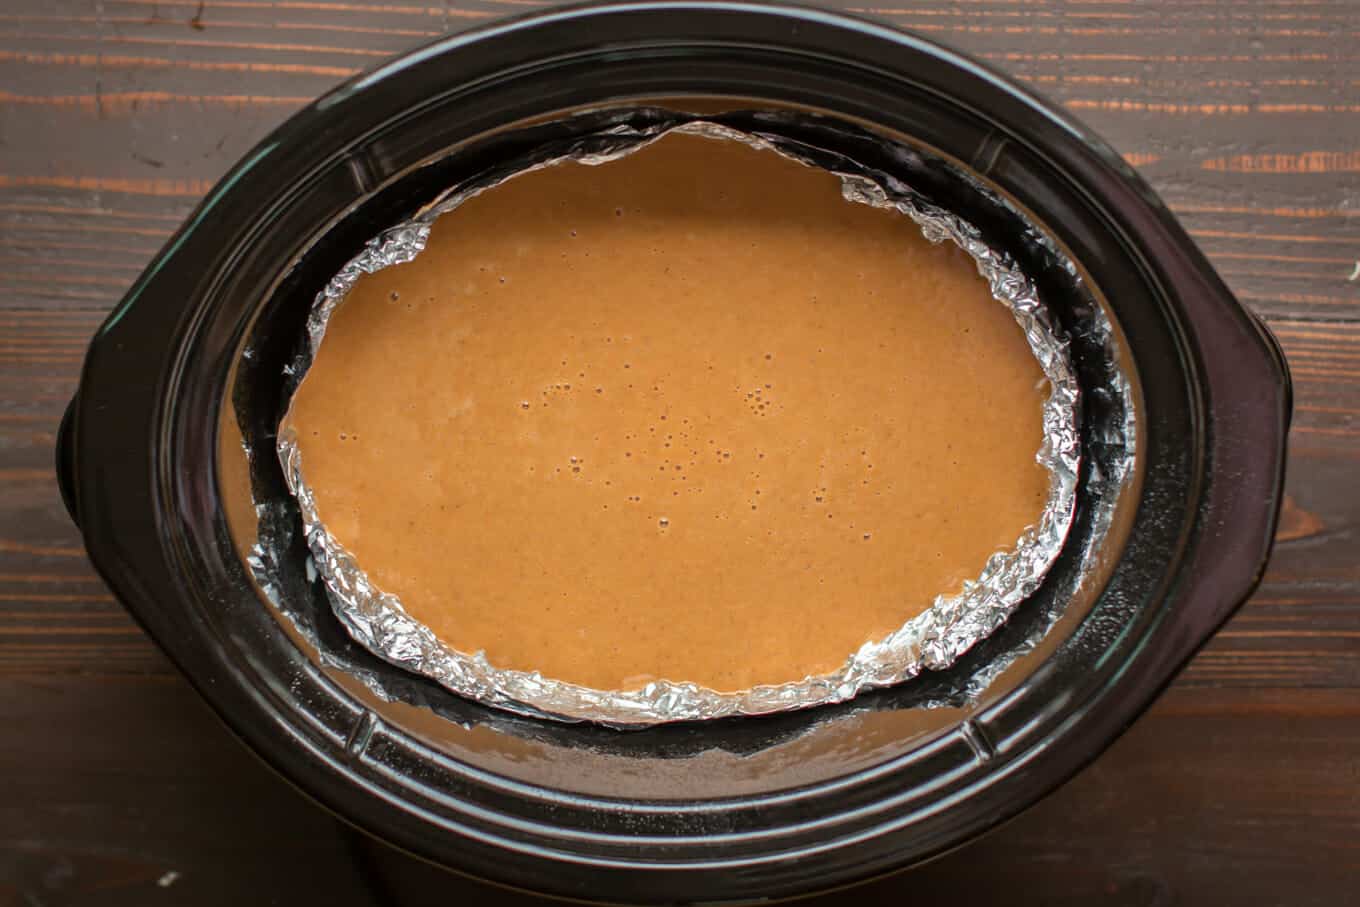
x=1241, y=786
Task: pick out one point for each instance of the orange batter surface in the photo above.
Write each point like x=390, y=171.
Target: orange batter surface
x=686, y=415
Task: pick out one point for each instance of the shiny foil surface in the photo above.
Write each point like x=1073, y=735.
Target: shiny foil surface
x=932, y=640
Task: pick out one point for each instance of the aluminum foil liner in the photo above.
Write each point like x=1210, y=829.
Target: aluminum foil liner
x=932, y=640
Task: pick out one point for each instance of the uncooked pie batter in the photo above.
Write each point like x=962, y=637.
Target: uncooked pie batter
x=685, y=415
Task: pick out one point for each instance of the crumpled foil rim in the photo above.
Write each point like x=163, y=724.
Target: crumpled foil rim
x=932, y=640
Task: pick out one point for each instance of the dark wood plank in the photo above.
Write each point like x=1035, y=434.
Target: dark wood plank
x=117, y=115
x=121, y=790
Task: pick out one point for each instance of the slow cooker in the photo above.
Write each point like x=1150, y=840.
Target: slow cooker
x=192, y=528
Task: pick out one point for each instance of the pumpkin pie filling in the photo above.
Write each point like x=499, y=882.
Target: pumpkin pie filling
x=686, y=415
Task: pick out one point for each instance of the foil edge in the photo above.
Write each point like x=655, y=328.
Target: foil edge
x=932, y=640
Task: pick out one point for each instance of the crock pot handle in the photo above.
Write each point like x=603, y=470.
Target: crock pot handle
x=66, y=460
x=1274, y=343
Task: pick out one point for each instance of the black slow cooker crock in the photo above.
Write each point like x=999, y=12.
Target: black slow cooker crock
x=165, y=460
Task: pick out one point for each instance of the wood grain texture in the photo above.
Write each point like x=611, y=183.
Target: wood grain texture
x=116, y=116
